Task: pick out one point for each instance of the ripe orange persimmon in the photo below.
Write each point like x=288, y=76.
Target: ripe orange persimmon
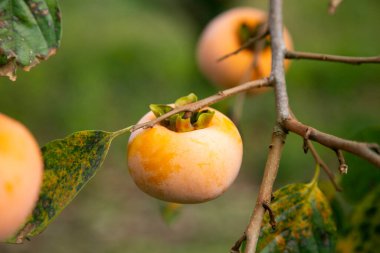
x=185, y=167
x=228, y=32
x=21, y=170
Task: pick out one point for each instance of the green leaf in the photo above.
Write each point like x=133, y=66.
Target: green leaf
x=30, y=31
x=69, y=164
x=170, y=211
x=362, y=176
x=304, y=221
x=364, y=235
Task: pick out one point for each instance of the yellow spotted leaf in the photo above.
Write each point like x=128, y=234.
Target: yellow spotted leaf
x=304, y=221
x=69, y=164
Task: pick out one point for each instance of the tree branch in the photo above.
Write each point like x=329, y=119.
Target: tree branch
x=364, y=150
x=278, y=54
x=279, y=135
x=265, y=82
x=332, y=58
x=266, y=187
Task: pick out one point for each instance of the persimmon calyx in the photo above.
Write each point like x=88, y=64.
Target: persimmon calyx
x=247, y=32
x=183, y=121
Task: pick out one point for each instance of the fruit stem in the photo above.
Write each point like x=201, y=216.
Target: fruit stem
x=122, y=131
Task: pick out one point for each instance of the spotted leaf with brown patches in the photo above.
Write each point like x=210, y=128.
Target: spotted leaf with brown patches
x=304, y=221
x=30, y=31
x=69, y=164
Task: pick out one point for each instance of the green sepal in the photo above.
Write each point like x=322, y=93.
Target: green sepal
x=159, y=109
x=183, y=124
x=203, y=119
x=170, y=211
x=247, y=32
x=191, y=98
x=183, y=121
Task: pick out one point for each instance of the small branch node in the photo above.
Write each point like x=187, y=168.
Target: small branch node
x=220, y=93
x=374, y=147
x=306, y=140
x=272, y=220
x=334, y=5
x=343, y=167
x=238, y=243
x=270, y=146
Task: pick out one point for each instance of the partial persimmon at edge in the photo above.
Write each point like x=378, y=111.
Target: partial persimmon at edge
x=21, y=171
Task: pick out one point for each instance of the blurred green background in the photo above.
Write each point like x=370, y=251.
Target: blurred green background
x=118, y=56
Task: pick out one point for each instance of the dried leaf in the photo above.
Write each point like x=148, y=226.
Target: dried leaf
x=69, y=164
x=30, y=31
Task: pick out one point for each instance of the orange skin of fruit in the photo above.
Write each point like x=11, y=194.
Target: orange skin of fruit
x=185, y=167
x=221, y=36
x=21, y=170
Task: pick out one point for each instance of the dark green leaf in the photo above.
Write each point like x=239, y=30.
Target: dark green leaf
x=69, y=164
x=362, y=176
x=304, y=221
x=30, y=31
x=364, y=235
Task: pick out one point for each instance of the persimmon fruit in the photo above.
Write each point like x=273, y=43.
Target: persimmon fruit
x=21, y=170
x=228, y=32
x=185, y=167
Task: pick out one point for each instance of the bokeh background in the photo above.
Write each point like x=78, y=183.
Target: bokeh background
x=118, y=56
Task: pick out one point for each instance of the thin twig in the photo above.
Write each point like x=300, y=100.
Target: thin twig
x=240, y=98
x=238, y=243
x=332, y=58
x=343, y=167
x=360, y=149
x=308, y=145
x=324, y=166
x=248, y=43
x=272, y=218
x=221, y=95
